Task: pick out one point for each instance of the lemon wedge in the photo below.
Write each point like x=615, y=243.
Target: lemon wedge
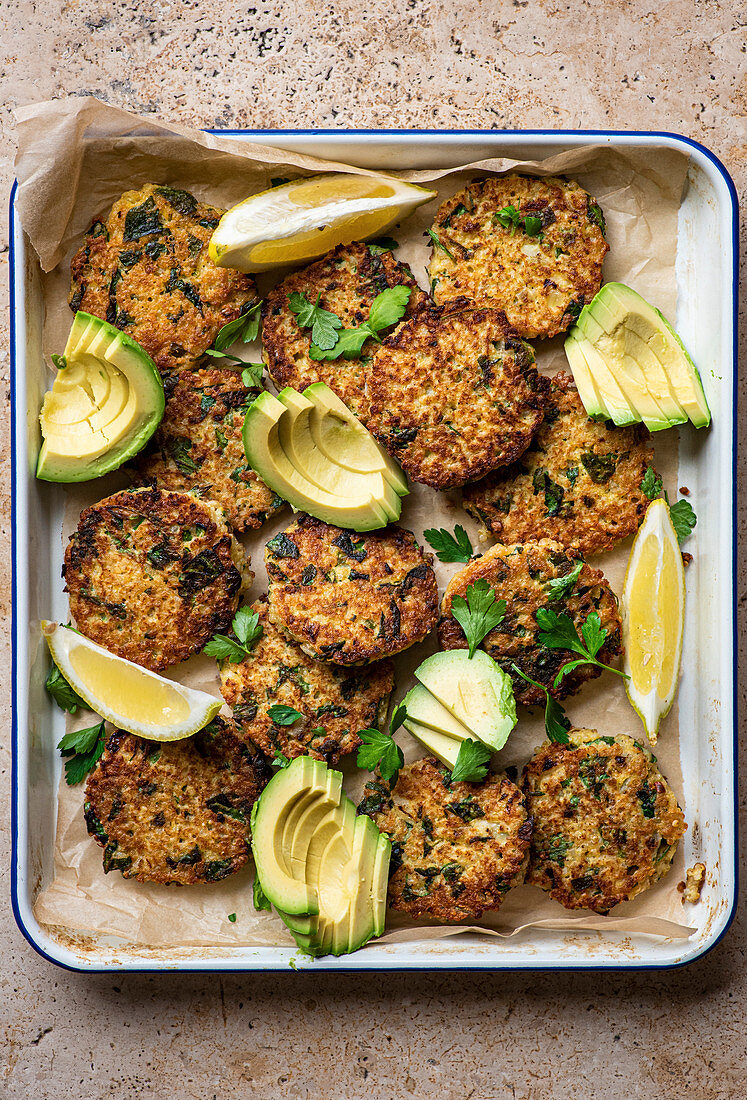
x=304, y=219
x=653, y=617
x=130, y=697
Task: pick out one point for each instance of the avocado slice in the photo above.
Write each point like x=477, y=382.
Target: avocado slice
x=475, y=690
x=606, y=337
x=360, y=511
x=343, y=438
x=380, y=884
x=320, y=869
x=425, y=709
x=445, y=748
x=598, y=389
x=294, y=433
x=654, y=332
x=269, y=813
x=103, y=407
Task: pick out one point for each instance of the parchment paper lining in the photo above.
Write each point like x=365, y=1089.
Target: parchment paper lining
x=75, y=158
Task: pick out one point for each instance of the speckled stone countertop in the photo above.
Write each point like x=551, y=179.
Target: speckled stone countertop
x=674, y=66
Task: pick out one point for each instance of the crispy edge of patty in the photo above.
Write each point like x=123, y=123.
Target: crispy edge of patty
x=334, y=702
x=524, y=595
x=198, y=446
x=145, y=268
x=550, y=492
x=177, y=812
x=582, y=801
x=446, y=412
x=388, y=603
x=450, y=816
x=344, y=292
x=155, y=599
x=485, y=261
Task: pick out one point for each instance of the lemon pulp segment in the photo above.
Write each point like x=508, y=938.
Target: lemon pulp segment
x=129, y=691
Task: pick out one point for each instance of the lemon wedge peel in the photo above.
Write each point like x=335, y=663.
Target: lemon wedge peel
x=304, y=219
x=129, y=696
x=652, y=608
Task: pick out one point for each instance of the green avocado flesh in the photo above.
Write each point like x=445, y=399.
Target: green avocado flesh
x=626, y=356
x=280, y=446
x=474, y=690
x=104, y=406
x=440, y=745
x=324, y=870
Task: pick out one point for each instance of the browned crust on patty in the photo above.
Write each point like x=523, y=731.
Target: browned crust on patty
x=175, y=813
x=542, y=282
x=145, y=268
x=198, y=446
x=334, y=702
x=454, y=394
x=457, y=848
x=578, y=482
x=347, y=597
x=606, y=823
x=348, y=279
x=152, y=575
x=519, y=574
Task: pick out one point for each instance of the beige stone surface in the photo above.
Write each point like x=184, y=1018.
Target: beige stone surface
x=674, y=65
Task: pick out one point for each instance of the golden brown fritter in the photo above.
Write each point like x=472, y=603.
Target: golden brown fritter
x=454, y=394
x=175, y=813
x=334, y=702
x=579, y=481
x=527, y=577
x=348, y=280
x=198, y=446
x=145, y=268
x=457, y=848
x=152, y=575
x=541, y=273
x=606, y=824
x=347, y=597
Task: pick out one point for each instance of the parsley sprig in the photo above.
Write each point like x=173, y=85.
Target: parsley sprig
x=479, y=613
x=557, y=723
x=379, y=749
x=245, y=330
x=472, y=762
x=83, y=748
x=510, y=218
x=559, y=632
x=247, y=631
x=681, y=512
x=63, y=694
x=329, y=340
x=456, y=547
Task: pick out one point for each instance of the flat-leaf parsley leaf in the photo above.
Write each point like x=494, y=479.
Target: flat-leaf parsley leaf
x=472, y=762
x=557, y=723
x=322, y=322
x=479, y=613
x=63, y=694
x=84, y=748
x=247, y=629
x=380, y=749
x=456, y=547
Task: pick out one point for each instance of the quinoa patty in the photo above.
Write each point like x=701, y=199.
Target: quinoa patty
x=176, y=812
x=457, y=848
x=454, y=394
x=542, y=280
x=348, y=280
x=350, y=598
x=334, y=702
x=606, y=824
x=521, y=574
x=146, y=269
x=198, y=446
x=579, y=482
x=152, y=575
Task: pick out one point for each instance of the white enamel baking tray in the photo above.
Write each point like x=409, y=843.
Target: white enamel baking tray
x=707, y=284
